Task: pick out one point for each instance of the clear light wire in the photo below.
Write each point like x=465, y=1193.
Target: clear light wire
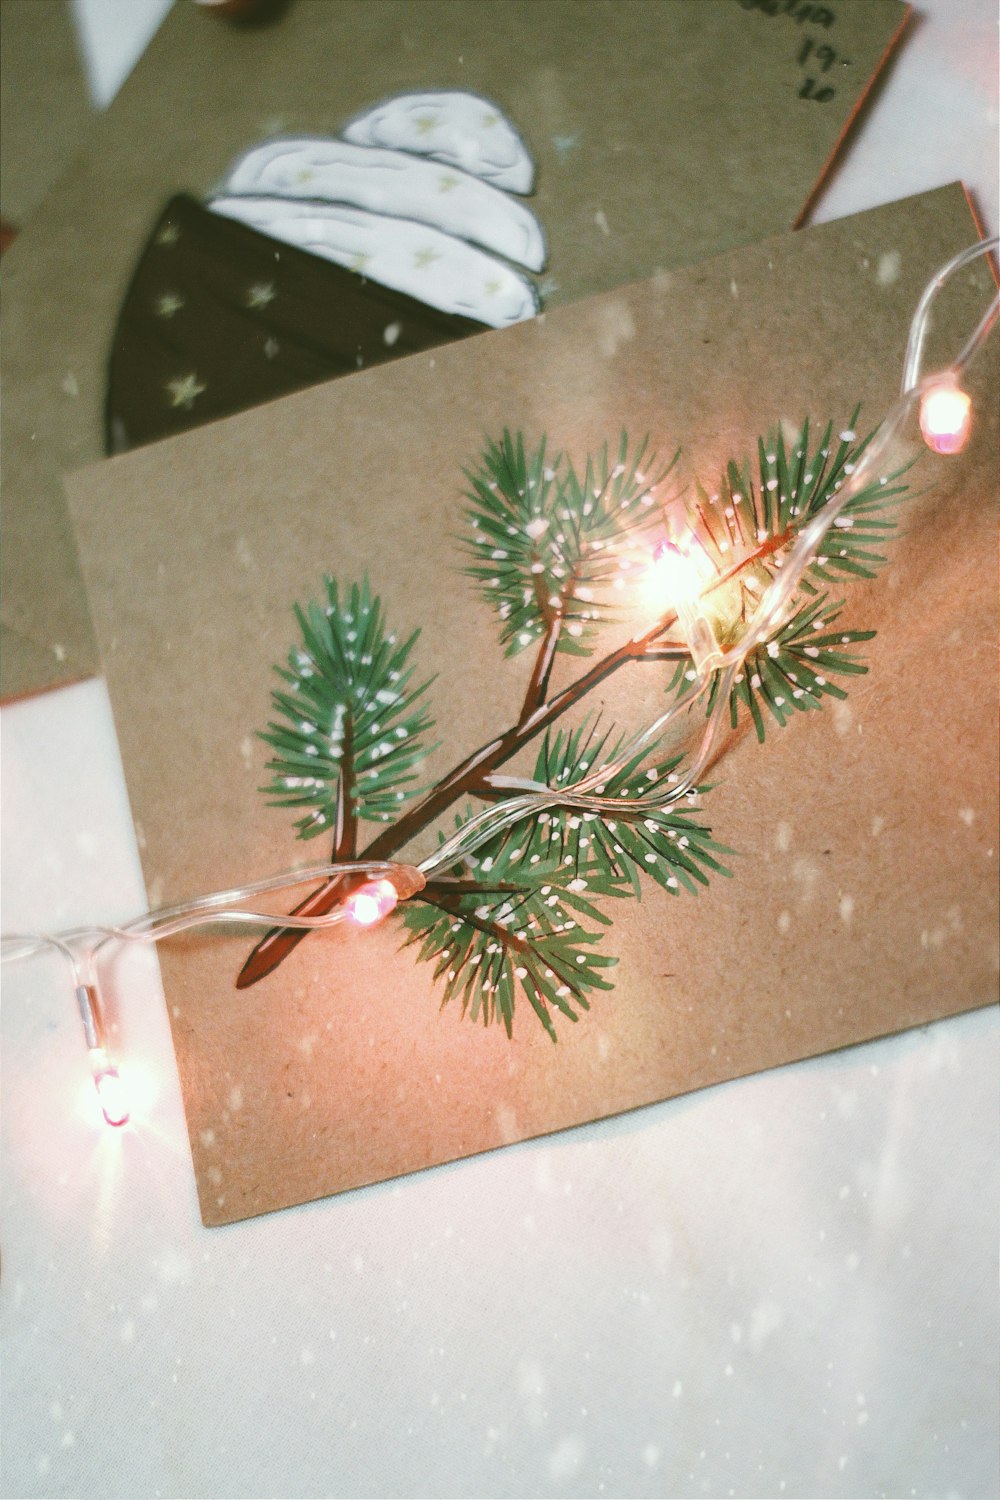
x=80, y=945
x=921, y=318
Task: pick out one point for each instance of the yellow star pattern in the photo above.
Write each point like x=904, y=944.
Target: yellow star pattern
x=305, y=174
x=184, y=391
x=447, y=182
x=167, y=304
x=492, y=287
x=425, y=257
x=425, y=124
x=359, y=261
x=168, y=235
x=490, y=120
x=260, y=294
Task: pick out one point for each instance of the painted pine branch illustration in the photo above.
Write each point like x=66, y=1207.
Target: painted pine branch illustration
x=551, y=548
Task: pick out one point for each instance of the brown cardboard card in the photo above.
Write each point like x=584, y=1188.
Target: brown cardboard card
x=863, y=895
x=661, y=133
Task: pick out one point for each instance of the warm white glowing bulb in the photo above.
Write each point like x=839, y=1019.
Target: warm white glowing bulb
x=945, y=418
x=111, y=1092
x=678, y=580
x=370, y=903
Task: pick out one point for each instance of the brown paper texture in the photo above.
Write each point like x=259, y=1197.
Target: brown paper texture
x=864, y=891
x=662, y=132
x=46, y=109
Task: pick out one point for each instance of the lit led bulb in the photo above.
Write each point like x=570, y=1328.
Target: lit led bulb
x=677, y=576
x=679, y=581
x=945, y=417
x=371, y=902
x=111, y=1091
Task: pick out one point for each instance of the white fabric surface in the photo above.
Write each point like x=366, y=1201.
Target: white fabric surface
x=113, y=34
x=782, y=1286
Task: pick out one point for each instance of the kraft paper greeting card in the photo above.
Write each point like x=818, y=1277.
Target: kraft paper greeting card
x=345, y=624
x=659, y=133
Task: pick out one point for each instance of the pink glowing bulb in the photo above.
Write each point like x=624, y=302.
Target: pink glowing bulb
x=945, y=418
x=371, y=902
x=111, y=1091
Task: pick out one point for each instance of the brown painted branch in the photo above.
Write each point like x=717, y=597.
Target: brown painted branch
x=345, y=838
x=276, y=945
x=485, y=792
x=280, y=942
x=668, y=651
x=450, y=887
x=538, y=685
x=483, y=924
x=765, y=549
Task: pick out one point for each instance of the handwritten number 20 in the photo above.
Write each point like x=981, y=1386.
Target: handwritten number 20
x=810, y=91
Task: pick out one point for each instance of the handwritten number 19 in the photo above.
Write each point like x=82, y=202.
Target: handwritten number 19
x=825, y=56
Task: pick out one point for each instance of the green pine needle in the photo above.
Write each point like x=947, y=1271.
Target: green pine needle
x=758, y=514
x=609, y=853
x=348, y=741
x=544, y=539
x=792, y=672
x=504, y=930
x=529, y=918
x=790, y=486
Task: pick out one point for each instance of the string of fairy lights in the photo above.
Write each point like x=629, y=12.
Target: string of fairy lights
x=677, y=574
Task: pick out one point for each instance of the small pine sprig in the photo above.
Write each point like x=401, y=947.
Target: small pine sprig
x=524, y=913
x=758, y=515
x=544, y=537
x=502, y=931
x=792, y=672
x=608, y=853
x=792, y=484
x=350, y=730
